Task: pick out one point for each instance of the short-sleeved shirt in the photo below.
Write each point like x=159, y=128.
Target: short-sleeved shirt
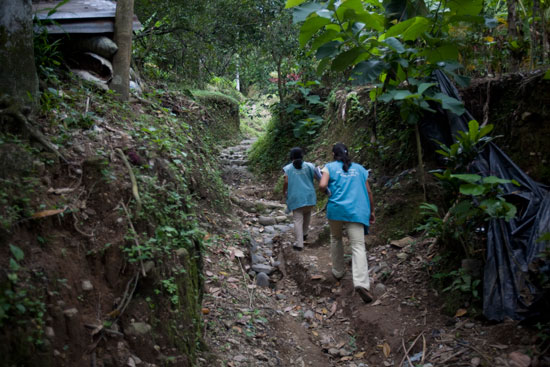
x=300, y=185
x=349, y=201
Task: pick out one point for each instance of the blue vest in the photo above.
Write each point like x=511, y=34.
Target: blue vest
x=300, y=186
x=349, y=201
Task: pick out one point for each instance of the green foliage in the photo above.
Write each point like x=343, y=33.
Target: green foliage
x=475, y=199
x=395, y=47
x=20, y=306
x=306, y=121
x=462, y=282
x=469, y=144
x=270, y=152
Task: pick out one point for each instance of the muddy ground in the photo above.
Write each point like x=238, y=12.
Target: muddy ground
x=297, y=314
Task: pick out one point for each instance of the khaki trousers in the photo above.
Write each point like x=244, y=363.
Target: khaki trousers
x=359, y=265
x=302, y=217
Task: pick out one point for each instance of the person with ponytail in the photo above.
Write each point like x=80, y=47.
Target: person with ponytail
x=299, y=193
x=350, y=204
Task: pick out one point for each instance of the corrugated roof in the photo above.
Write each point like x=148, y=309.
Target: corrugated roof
x=79, y=16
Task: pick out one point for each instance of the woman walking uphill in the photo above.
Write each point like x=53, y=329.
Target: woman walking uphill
x=349, y=204
x=299, y=193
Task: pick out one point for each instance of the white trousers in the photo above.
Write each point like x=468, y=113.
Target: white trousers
x=359, y=265
x=302, y=217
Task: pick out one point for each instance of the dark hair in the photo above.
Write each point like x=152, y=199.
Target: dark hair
x=340, y=152
x=296, y=156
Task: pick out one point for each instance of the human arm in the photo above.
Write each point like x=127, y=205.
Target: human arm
x=285, y=187
x=323, y=184
x=371, y=201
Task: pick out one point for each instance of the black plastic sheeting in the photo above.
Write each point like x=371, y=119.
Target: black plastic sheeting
x=508, y=287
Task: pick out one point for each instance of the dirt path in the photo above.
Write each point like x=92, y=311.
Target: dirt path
x=268, y=305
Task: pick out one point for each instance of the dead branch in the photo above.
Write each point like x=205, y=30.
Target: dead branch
x=135, y=237
x=250, y=293
x=13, y=112
x=406, y=356
x=135, y=190
x=127, y=297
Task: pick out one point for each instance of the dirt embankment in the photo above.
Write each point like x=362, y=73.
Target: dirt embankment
x=101, y=268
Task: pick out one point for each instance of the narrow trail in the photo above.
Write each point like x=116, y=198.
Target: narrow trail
x=266, y=304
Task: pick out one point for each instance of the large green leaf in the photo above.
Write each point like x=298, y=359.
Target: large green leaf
x=450, y=103
x=409, y=29
x=465, y=7
x=468, y=177
x=323, y=65
x=301, y=12
x=328, y=49
x=293, y=3
x=372, y=20
x=404, y=9
x=367, y=71
x=424, y=86
x=495, y=180
x=345, y=59
x=445, y=52
x=472, y=189
x=17, y=252
x=355, y=5
x=325, y=37
x=395, y=44
x=310, y=27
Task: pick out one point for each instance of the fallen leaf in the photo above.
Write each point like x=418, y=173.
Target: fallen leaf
x=47, y=213
x=237, y=329
x=224, y=273
x=386, y=349
x=315, y=333
x=461, y=312
x=333, y=310
x=359, y=355
x=347, y=358
x=205, y=311
x=499, y=346
x=403, y=242
x=60, y=191
x=324, y=311
x=209, y=273
x=316, y=277
x=207, y=236
x=97, y=330
x=232, y=280
x=319, y=317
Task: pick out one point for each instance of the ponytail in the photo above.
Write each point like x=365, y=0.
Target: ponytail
x=340, y=152
x=296, y=156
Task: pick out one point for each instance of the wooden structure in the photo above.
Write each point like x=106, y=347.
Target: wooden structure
x=78, y=16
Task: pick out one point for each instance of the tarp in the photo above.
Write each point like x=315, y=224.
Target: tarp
x=508, y=290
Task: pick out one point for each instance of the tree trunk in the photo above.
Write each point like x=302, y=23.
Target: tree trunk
x=534, y=38
x=280, y=89
x=123, y=38
x=513, y=32
x=545, y=45
x=18, y=77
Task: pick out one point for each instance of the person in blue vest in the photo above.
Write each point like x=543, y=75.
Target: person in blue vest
x=350, y=204
x=300, y=194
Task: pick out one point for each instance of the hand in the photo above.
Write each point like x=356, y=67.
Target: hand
x=372, y=218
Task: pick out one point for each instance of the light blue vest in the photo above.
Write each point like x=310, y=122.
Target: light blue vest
x=300, y=186
x=349, y=201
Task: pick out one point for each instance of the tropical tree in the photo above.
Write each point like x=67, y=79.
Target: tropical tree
x=123, y=39
x=395, y=46
x=18, y=77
